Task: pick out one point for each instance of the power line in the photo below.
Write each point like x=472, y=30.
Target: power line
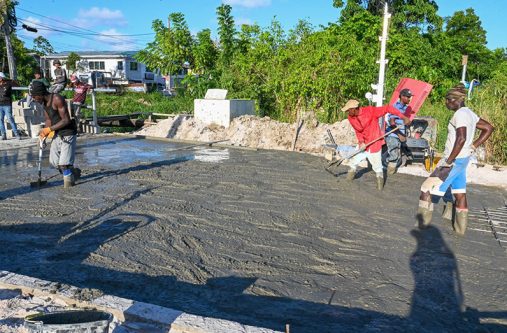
x=74, y=26
x=85, y=35
x=48, y=27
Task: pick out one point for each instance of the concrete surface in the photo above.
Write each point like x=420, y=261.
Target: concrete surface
x=261, y=238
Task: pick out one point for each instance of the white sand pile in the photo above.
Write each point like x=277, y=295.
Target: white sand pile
x=265, y=133
x=255, y=132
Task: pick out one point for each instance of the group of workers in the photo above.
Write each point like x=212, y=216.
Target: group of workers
x=449, y=175
x=58, y=123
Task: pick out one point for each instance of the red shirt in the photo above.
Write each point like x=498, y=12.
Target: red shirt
x=366, y=125
x=80, y=92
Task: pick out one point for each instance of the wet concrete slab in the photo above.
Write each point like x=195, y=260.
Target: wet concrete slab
x=263, y=238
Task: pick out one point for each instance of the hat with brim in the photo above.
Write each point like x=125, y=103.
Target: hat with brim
x=351, y=104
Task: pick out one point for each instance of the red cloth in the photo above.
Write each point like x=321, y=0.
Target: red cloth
x=80, y=92
x=366, y=125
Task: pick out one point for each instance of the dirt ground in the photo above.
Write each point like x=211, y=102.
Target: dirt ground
x=263, y=238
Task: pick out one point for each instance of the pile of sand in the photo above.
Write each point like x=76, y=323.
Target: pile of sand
x=255, y=132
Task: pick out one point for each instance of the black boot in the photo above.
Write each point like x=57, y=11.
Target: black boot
x=77, y=173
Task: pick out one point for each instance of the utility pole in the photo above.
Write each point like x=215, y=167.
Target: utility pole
x=7, y=30
x=464, y=62
x=379, y=96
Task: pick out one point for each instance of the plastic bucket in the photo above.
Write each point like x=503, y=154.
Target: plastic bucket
x=90, y=321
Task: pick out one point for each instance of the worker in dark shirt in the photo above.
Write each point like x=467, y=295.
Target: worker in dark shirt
x=63, y=146
x=6, y=106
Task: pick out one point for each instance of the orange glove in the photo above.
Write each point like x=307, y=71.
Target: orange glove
x=44, y=132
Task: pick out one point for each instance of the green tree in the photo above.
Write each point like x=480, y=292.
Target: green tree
x=42, y=46
x=171, y=48
x=466, y=32
x=204, y=52
x=226, y=32
x=72, y=60
x=467, y=36
x=421, y=14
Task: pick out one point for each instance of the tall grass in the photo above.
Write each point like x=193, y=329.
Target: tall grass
x=490, y=103
x=132, y=102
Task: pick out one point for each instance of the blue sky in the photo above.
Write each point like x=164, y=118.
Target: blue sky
x=126, y=25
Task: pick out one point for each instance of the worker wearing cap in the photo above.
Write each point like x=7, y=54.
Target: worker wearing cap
x=364, y=120
x=395, y=139
x=452, y=168
x=80, y=90
x=60, y=78
x=57, y=120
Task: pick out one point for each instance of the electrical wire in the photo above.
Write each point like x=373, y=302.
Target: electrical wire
x=74, y=26
x=45, y=27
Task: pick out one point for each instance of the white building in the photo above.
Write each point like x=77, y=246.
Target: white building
x=116, y=67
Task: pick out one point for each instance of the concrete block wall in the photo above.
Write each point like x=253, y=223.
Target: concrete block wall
x=222, y=112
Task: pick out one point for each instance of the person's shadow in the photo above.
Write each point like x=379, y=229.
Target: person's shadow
x=437, y=300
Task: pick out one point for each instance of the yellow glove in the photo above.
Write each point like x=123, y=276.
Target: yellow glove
x=44, y=132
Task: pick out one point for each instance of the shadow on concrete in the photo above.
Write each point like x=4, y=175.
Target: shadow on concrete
x=56, y=252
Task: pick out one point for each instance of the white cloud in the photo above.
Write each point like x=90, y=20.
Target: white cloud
x=248, y=3
x=101, y=13
x=99, y=16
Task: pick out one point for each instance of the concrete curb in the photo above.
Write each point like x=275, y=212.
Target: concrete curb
x=137, y=316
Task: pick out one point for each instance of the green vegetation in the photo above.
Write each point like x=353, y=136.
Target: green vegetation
x=132, y=102
x=317, y=70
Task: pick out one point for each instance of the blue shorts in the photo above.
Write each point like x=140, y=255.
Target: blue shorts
x=456, y=179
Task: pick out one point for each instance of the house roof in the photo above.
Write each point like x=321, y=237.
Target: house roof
x=115, y=54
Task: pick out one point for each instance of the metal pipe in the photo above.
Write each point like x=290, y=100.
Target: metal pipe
x=94, y=108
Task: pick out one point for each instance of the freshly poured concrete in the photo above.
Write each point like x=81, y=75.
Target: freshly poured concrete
x=263, y=238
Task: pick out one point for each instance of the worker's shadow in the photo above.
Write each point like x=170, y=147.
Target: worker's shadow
x=437, y=300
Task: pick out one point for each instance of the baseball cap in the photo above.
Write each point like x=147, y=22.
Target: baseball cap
x=2, y=75
x=406, y=92
x=351, y=104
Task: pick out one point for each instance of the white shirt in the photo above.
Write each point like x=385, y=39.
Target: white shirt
x=463, y=117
